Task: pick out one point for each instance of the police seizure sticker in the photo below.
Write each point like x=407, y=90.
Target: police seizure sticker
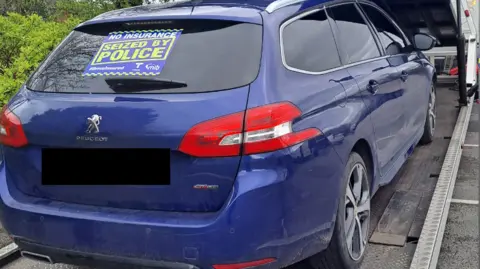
x=130, y=53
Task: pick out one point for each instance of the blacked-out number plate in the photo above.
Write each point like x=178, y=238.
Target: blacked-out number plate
x=86, y=166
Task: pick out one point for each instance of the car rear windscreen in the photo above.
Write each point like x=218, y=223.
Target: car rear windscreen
x=177, y=56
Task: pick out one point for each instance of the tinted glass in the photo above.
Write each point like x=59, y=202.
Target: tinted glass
x=356, y=39
x=390, y=37
x=208, y=56
x=309, y=44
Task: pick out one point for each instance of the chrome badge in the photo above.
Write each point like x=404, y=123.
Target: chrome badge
x=93, y=124
x=93, y=127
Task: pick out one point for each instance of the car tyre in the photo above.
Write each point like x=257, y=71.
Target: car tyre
x=350, y=236
x=430, y=121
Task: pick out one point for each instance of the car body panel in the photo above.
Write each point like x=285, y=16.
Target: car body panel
x=179, y=11
x=281, y=204
x=146, y=121
x=386, y=106
x=266, y=196
x=417, y=81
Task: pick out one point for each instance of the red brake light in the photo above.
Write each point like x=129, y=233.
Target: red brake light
x=267, y=128
x=11, y=131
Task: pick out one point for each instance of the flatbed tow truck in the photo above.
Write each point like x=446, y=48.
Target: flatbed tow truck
x=427, y=217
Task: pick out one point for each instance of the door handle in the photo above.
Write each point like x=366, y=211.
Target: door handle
x=372, y=86
x=404, y=76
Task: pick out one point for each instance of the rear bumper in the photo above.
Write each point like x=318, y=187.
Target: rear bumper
x=284, y=212
x=57, y=255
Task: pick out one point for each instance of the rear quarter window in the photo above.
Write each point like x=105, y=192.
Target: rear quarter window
x=309, y=45
x=210, y=55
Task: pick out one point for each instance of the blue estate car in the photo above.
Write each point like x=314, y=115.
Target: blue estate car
x=277, y=121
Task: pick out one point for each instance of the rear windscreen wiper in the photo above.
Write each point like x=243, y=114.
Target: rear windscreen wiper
x=133, y=84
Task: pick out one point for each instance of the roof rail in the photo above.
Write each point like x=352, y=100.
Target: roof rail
x=281, y=3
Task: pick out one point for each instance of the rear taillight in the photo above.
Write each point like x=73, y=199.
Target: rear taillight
x=11, y=131
x=267, y=128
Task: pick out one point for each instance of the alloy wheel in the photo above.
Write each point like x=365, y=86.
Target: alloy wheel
x=357, y=212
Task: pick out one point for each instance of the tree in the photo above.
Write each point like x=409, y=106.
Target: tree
x=127, y=3
x=42, y=8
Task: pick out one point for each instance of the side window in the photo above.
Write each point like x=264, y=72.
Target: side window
x=390, y=37
x=309, y=45
x=356, y=38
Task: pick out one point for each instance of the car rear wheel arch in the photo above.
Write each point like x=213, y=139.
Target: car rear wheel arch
x=362, y=147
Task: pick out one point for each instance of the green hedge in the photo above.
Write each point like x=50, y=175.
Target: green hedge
x=87, y=9
x=30, y=29
x=50, y=8
x=26, y=41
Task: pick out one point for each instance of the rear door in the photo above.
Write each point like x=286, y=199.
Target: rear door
x=379, y=85
x=206, y=75
x=412, y=73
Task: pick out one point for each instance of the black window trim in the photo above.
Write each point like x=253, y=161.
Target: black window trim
x=403, y=36
x=370, y=27
x=342, y=63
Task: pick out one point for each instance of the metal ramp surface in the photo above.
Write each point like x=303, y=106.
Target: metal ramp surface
x=461, y=240
x=417, y=180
